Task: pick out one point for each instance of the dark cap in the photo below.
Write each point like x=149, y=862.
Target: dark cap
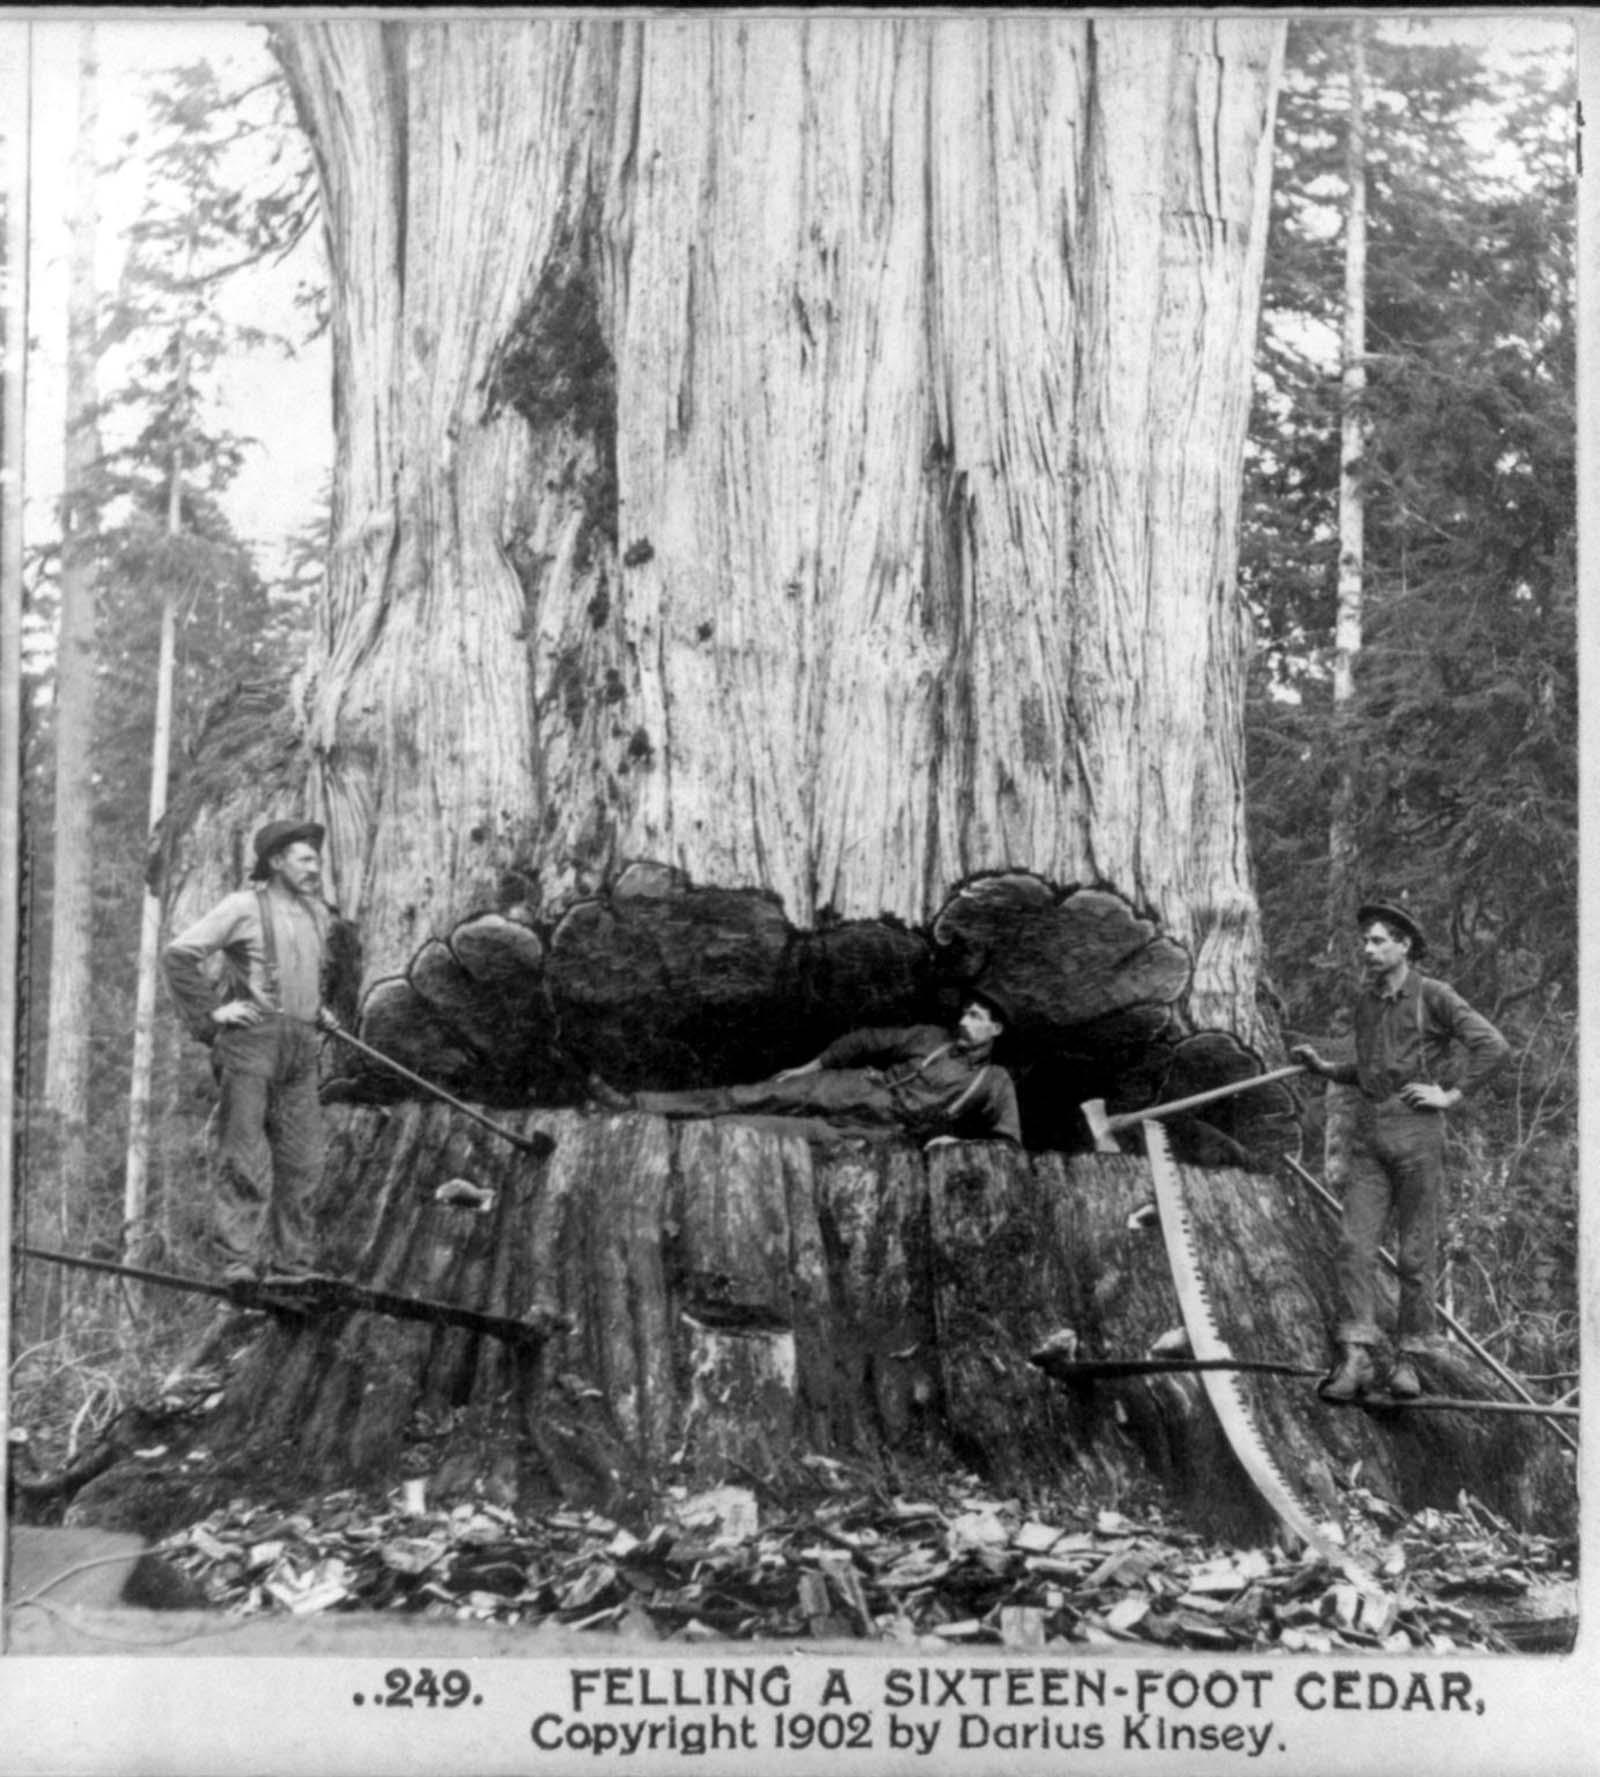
x=276, y=835
x=992, y=1001
x=1392, y=914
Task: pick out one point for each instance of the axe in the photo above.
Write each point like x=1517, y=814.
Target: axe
x=538, y=1144
x=1104, y=1128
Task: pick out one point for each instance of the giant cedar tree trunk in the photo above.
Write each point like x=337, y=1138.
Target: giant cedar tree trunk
x=805, y=451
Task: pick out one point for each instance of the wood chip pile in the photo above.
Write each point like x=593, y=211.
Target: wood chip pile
x=954, y=1566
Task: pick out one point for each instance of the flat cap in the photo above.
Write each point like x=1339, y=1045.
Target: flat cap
x=1393, y=914
x=276, y=835
x=996, y=1003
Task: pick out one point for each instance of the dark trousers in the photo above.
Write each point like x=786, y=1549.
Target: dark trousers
x=267, y=1144
x=846, y=1097
x=1396, y=1166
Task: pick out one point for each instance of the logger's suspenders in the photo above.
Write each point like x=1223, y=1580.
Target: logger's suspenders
x=269, y=954
x=967, y=1093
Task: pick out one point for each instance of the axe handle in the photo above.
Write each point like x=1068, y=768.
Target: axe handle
x=438, y=1092
x=1130, y=1119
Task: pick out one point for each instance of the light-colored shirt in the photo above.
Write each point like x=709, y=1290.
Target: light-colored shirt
x=232, y=932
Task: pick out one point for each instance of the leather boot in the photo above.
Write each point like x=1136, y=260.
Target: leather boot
x=1353, y=1376
x=1404, y=1383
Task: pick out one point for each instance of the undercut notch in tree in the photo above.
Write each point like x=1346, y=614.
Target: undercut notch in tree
x=660, y=983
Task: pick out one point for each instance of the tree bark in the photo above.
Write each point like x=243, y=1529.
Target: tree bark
x=833, y=494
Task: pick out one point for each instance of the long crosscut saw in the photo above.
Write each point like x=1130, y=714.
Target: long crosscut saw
x=313, y=1295
x=1222, y=1385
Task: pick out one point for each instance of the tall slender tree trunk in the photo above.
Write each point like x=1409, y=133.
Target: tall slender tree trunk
x=1352, y=493
x=802, y=451
x=137, y=1178
x=66, y=1084
x=16, y=123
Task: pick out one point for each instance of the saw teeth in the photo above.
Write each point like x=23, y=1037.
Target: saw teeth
x=1223, y=1387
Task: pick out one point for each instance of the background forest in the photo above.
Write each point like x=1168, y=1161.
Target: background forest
x=1447, y=774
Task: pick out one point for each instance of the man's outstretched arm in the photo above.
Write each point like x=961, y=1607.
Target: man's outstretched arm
x=881, y=1043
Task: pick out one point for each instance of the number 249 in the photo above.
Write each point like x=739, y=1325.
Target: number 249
x=406, y=1688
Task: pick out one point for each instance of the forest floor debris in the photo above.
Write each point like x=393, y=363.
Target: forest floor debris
x=956, y=1565
x=927, y=1557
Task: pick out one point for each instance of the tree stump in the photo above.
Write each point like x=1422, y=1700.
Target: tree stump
x=734, y=1296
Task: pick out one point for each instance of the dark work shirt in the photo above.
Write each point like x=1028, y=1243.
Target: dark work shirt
x=1424, y=1031
x=936, y=1083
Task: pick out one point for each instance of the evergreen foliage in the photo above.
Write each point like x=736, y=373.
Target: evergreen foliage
x=1463, y=728
x=227, y=185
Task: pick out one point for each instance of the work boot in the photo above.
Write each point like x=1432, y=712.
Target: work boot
x=607, y=1097
x=1404, y=1383
x=1353, y=1376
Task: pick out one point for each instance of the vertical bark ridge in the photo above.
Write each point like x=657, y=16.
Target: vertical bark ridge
x=480, y=136
x=1181, y=235
x=1008, y=99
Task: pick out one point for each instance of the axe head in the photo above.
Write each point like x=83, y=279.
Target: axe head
x=1094, y=1114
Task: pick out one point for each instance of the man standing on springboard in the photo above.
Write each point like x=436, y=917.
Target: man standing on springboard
x=260, y=1017
x=1406, y=1027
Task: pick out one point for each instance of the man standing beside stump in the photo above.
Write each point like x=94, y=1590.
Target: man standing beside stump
x=1406, y=1027
x=260, y=1021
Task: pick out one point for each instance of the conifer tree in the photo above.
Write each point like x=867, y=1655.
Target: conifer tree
x=183, y=609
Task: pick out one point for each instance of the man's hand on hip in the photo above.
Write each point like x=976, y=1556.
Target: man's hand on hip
x=1423, y=1095
x=238, y=1014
